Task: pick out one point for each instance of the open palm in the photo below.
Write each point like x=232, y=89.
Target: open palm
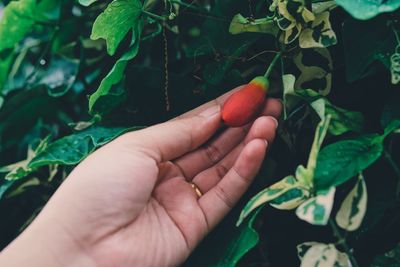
x=131, y=203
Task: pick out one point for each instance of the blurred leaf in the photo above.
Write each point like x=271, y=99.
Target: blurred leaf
x=19, y=17
x=6, y=59
x=353, y=208
x=374, y=41
x=4, y=186
x=391, y=127
x=388, y=259
x=72, y=149
x=367, y=9
x=21, y=169
x=317, y=210
x=110, y=92
x=340, y=161
x=115, y=22
x=391, y=110
x=240, y=24
x=87, y=2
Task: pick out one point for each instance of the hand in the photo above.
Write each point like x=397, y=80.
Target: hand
x=131, y=202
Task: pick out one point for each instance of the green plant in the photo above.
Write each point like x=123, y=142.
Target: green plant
x=76, y=74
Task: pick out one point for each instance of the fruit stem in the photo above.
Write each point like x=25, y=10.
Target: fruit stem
x=271, y=66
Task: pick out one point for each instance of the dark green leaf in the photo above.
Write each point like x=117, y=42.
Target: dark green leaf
x=364, y=43
x=72, y=149
x=340, y=161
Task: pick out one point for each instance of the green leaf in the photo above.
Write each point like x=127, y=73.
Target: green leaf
x=232, y=243
x=353, y=208
x=344, y=120
x=317, y=210
x=267, y=195
x=240, y=24
x=72, y=149
x=111, y=92
x=366, y=9
x=246, y=240
x=340, y=161
x=115, y=22
x=364, y=43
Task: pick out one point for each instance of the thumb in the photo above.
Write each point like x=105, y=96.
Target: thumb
x=172, y=139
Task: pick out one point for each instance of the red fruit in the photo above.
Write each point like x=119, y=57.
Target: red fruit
x=244, y=105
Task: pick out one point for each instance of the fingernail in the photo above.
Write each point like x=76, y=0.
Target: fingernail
x=276, y=121
x=266, y=142
x=210, y=111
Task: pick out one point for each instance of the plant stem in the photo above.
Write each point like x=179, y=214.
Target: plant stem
x=271, y=66
x=154, y=16
x=189, y=6
x=342, y=242
x=395, y=168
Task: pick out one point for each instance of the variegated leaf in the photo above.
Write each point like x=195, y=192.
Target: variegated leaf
x=303, y=247
x=291, y=199
x=292, y=33
x=319, y=137
x=240, y=24
x=342, y=260
x=319, y=34
x=320, y=255
x=315, y=67
x=267, y=195
x=353, y=208
x=317, y=210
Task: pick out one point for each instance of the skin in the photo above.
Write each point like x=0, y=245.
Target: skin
x=130, y=203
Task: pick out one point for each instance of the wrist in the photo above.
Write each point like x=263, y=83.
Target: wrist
x=44, y=245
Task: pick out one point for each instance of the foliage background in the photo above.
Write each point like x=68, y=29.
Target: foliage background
x=49, y=67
